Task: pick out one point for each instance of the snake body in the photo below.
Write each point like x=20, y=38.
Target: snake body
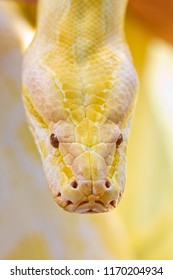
x=79, y=88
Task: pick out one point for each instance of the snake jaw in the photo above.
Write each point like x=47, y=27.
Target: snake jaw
x=81, y=83
x=87, y=184
x=92, y=203
x=94, y=164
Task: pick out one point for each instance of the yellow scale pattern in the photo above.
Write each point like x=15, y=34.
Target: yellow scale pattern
x=47, y=232
x=79, y=75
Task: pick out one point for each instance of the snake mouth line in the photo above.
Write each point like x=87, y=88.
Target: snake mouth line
x=91, y=204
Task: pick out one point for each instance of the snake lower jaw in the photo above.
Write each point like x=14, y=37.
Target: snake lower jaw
x=92, y=203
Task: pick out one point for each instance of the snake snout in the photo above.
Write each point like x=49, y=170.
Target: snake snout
x=89, y=196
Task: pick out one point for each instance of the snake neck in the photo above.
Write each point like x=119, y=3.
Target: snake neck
x=81, y=26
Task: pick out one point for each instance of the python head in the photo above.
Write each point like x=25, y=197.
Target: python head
x=79, y=88
x=82, y=143
x=86, y=157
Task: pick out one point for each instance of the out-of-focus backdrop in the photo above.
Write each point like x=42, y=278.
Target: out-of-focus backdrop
x=32, y=226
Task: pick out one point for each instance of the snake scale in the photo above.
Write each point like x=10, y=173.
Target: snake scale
x=79, y=86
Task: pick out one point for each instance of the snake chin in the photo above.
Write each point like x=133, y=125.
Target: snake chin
x=86, y=177
x=92, y=203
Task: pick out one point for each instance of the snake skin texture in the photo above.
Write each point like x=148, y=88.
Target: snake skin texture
x=79, y=88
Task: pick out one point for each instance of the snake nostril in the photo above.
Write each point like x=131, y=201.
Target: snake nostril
x=74, y=185
x=107, y=184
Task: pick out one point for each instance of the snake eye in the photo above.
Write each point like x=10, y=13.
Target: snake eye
x=119, y=140
x=54, y=141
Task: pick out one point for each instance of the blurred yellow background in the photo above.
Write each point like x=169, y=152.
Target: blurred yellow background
x=32, y=226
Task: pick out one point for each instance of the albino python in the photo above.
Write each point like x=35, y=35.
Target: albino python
x=79, y=88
